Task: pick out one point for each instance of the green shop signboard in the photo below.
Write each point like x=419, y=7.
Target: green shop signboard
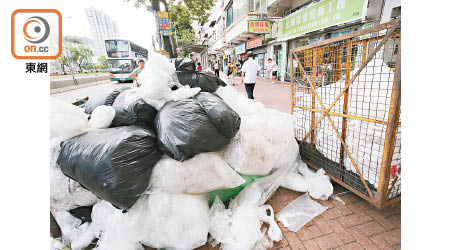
x=321, y=15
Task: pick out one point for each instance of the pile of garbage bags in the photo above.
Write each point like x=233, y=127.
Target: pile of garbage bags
x=148, y=166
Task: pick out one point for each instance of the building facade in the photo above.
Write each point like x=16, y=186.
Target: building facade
x=102, y=27
x=270, y=28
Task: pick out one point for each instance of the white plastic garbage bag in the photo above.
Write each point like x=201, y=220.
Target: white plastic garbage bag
x=176, y=221
x=201, y=174
x=240, y=227
x=66, y=120
x=299, y=212
x=102, y=117
x=303, y=179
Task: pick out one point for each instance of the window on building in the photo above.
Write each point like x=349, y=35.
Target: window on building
x=230, y=15
x=258, y=6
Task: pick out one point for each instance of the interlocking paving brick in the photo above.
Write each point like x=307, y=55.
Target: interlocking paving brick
x=351, y=246
x=326, y=203
x=310, y=245
x=351, y=220
x=329, y=241
x=391, y=210
x=395, y=219
x=345, y=235
x=294, y=241
x=322, y=225
x=334, y=213
x=383, y=221
x=362, y=239
x=281, y=244
x=307, y=233
x=380, y=242
x=371, y=228
x=393, y=237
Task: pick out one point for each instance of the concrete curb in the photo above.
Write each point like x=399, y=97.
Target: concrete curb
x=56, y=84
x=79, y=86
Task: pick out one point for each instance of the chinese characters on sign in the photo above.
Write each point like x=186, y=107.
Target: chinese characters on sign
x=240, y=48
x=259, y=27
x=163, y=20
x=321, y=15
x=254, y=42
x=32, y=67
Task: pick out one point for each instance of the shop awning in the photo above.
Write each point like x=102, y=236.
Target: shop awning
x=193, y=47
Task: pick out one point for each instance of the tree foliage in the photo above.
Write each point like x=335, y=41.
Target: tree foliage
x=182, y=13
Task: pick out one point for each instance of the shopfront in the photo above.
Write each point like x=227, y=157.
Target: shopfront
x=318, y=22
x=259, y=51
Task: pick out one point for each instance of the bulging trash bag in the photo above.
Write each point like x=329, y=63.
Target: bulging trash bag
x=186, y=74
x=184, y=64
x=176, y=221
x=223, y=117
x=114, y=163
x=105, y=98
x=203, y=173
x=65, y=193
x=66, y=120
x=207, y=81
x=136, y=113
x=102, y=117
x=184, y=130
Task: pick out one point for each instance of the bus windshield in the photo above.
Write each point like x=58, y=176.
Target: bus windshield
x=120, y=66
x=117, y=48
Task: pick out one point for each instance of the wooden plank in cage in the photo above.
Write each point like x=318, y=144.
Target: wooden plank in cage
x=344, y=115
x=391, y=130
x=345, y=108
x=364, y=53
x=292, y=84
x=313, y=118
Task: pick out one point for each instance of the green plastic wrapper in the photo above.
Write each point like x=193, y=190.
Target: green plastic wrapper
x=227, y=194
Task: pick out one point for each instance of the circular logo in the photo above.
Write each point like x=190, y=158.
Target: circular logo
x=36, y=29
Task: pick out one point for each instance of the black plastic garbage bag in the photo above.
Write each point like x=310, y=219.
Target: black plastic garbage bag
x=114, y=163
x=106, y=98
x=184, y=64
x=185, y=130
x=207, y=81
x=135, y=113
x=82, y=213
x=220, y=114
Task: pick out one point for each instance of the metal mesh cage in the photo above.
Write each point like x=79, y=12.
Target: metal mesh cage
x=346, y=107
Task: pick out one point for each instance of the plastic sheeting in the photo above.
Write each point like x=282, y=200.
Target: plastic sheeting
x=66, y=120
x=265, y=140
x=176, y=221
x=299, y=212
x=303, y=179
x=184, y=130
x=101, y=117
x=114, y=163
x=137, y=112
x=203, y=173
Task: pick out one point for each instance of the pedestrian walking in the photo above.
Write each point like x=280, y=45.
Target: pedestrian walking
x=199, y=66
x=231, y=68
x=272, y=69
x=249, y=71
x=136, y=72
x=216, y=68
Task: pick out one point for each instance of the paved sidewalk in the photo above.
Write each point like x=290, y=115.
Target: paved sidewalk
x=276, y=96
x=353, y=225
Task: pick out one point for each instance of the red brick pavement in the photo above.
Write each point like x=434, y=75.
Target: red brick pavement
x=353, y=225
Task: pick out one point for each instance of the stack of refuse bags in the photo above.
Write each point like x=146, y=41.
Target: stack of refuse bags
x=149, y=183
